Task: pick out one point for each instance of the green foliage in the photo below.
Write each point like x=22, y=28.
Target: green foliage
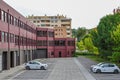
x=116, y=57
x=87, y=44
x=80, y=45
x=74, y=33
x=103, y=35
x=80, y=33
x=115, y=35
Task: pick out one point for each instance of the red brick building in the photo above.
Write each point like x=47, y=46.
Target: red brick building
x=49, y=47
x=21, y=41
x=17, y=38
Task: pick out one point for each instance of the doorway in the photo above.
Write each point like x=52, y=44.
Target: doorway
x=4, y=61
x=60, y=54
x=11, y=59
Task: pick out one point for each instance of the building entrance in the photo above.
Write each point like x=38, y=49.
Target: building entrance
x=4, y=61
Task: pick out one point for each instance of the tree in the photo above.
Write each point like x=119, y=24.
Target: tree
x=102, y=37
x=87, y=44
x=116, y=39
x=80, y=33
x=74, y=33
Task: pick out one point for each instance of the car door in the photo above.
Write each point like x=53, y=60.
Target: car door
x=105, y=68
x=108, y=68
x=111, y=67
x=36, y=65
x=31, y=65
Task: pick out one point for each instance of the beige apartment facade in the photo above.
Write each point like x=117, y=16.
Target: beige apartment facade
x=61, y=24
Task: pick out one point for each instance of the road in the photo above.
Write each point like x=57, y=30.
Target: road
x=102, y=76
x=64, y=69
x=59, y=69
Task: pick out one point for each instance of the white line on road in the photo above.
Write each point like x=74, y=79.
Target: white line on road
x=86, y=74
x=16, y=75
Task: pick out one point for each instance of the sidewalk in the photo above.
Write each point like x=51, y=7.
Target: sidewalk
x=11, y=72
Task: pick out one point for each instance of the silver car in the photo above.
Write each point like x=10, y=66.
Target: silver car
x=106, y=67
x=35, y=65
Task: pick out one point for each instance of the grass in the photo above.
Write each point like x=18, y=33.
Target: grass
x=94, y=57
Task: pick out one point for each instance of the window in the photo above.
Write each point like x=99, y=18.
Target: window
x=39, y=43
x=34, y=21
x=60, y=43
x=0, y=36
x=16, y=40
x=38, y=21
x=6, y=37
x=0, y=14
x=44, y=43
x=3, y=37
x=111, y=65
x=43, y=25
x=12, y=38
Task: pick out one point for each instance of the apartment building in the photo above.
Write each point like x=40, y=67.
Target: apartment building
x=60, y=24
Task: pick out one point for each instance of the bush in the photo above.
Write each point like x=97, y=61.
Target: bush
x=116, y=57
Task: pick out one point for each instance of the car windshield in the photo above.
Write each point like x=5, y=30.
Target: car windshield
x=100, y=63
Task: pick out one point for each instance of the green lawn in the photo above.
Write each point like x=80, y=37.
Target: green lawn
x=94, y=58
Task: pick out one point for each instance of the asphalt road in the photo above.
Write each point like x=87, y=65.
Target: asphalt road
x=59, y=69
x=100, y=76
x=64, y=69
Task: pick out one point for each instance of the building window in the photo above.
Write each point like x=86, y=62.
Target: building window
x=39, y=43
x=0, y=36
x=3, y=37
x=12, y=38
x=43, y=25
x=59, y=43
x=44, y=43
x=71, y=43
x=0, y=14
x=38, y=21
x=34, y=21
x=6, y=37
x=16, y=40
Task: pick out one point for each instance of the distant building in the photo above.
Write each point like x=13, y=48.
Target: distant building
x=60, y=23
x=50, y=47
x=117, y=10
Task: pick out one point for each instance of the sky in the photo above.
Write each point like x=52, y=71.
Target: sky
x=84, y=13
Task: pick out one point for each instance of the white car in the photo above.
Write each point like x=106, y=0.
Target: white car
x=97, y=65
x=35, y=65
x=106, y=67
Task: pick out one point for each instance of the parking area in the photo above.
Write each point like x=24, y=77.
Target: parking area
x=64, y=69
x=100, y=76
x=59, y=69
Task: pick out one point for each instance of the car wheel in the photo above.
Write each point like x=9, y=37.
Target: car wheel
x=116, y=71
x=27, y=67
x=98, y=71
x=42, y=67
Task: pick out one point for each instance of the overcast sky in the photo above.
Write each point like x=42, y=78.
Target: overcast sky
x=84, y=13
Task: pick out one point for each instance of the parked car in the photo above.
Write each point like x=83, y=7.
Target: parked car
x=97, y=65
x=35, y=65
x=106, y=67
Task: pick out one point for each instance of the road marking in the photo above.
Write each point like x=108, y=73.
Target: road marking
x=86, y=74
x=16, y=75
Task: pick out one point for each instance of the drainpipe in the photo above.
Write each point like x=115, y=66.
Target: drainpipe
x=8, y=37
x=19, y=41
